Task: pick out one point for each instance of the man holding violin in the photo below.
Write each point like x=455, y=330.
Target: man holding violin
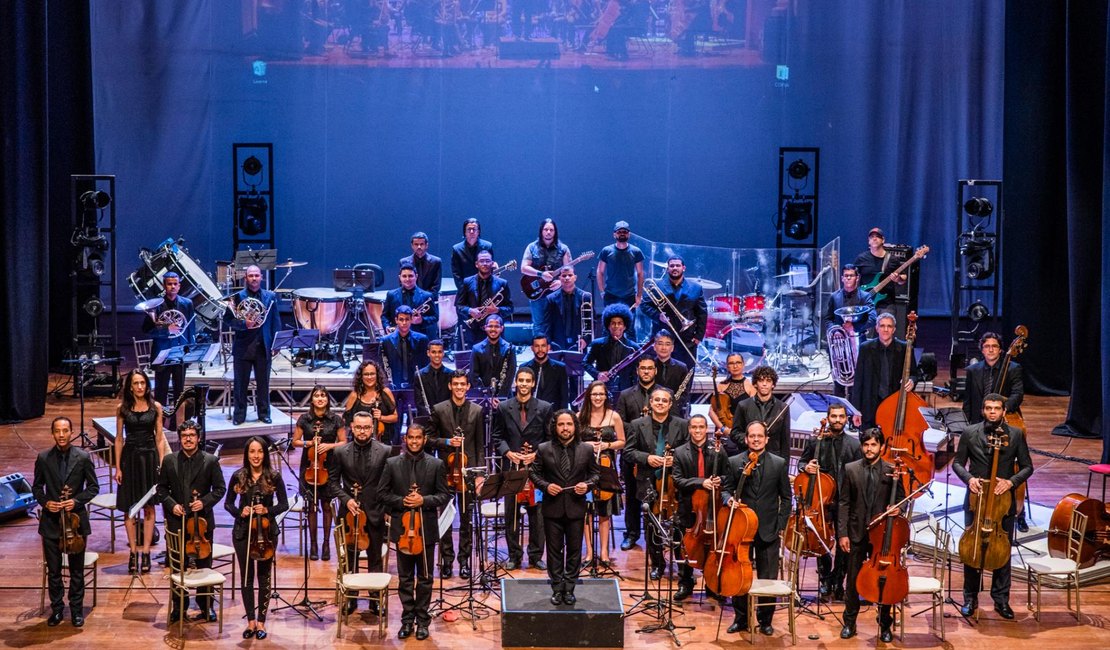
x=522, y=419
x=64, y=483
x=698, y=466
x=414, y=515
x=357, y=468
x=190, y=484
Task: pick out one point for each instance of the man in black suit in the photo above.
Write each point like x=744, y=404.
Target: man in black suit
x=414, y=572
x=632, y=403
x=864, y=494
x=766, y=408
x=457, y=426
x=697, y=466
x=191, y=481
x=830, y=455
x=428, y=267
x=688, y=299
x=671, y=372
x=250, y=349
x=607, y=351
x=647, y=439
x=552, y=384
x=564, y=470
x=973, y=465
x=480, y=296
x=63, y=466
x=766, y=491
x=411, y=295
x=405, y=350
x=465, y=253
x=493, y=360
x=522, y=419
x=879, y=370
x=430, y=386
x=359, y=465
x=562, y=314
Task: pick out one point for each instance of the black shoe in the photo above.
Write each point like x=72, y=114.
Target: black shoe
x=1022, y=525
x=421, y=632
x=656, y=573
x=684, y=592
x=314, y=553
x=175, y=616
x=968, y=609
x=823, y=589
x=737, y=626
x=237, y=419
x=446, y=573
x=886, y=636
x=372, y=607
x=405, y=631
x=539, y=565
x=326, y=555
x=1004, y=611
x=627, y=544
x=557, y=598
x=464, y=572
x=569, y=598
x=77, y=620
x=848, y=631
x=133, y=564
x=766, y=630
x=54, y=619
x=248, y=633
x=260, y=634
x=838, y=593
x=352, y=605
x=511, y=565
x=265, y=419
x=146, y=563
x=210, y=616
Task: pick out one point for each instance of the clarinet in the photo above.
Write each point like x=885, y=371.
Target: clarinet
x=501, y=377
x=423, y=393
x=683, y=386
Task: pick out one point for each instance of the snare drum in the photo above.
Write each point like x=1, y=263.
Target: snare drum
x=320, y=308
x=724, y=309
x=752, y=307
x=146, y=282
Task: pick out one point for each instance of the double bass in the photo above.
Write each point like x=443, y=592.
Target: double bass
x=814, y=494
x=900, y=418
x=884, y=579
x=985, y=544
x=1017, y=346
x=71, y=541
x=1096, y=540
x=728, y=569
x=701, y=538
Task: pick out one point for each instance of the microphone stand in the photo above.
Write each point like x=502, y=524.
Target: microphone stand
x=666, y=619
x=645, y=602
x=304, y=606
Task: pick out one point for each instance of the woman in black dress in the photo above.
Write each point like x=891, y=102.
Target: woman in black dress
x=256, y=491
x=318, y=432
x=140, y=445
x=371, y=395
x=603, y=428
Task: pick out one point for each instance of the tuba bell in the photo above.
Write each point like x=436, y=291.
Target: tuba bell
x=843, y=351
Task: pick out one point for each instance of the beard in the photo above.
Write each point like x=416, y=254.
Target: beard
x=622, y=238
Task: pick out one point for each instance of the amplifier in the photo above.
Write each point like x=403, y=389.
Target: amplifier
x=15, y=496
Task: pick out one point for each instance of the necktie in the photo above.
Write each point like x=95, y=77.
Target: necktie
x=65, y=465
x=869, y=495
x=884, y=368
x=564, y=463
x=660, y=444
x=701, y=462
x=405, y=357
x=523, y=417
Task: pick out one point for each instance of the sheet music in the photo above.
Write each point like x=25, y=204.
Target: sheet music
x=134, y=511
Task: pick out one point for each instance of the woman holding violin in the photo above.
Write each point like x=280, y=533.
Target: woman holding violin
x=603, y=429
x=139, y=448
x=256, y=497
x=698, y=467
x=370, y=394
x=318, y=432
x=730, y=392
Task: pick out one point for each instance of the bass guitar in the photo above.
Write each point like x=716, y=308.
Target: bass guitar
x=875, y=286
x=535, y=287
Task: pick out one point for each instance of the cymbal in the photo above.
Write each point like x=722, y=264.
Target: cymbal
x=795, y=293
x=289, y=264
x=709, y=285
x=790, y=273
x=150, y=305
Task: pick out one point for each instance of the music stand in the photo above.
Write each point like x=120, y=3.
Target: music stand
x=500, y=486
x=264, y=258
x=576, y=366
x=133, y=513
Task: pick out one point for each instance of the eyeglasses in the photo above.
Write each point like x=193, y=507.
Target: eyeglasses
x=365, y=427
x=182, y=436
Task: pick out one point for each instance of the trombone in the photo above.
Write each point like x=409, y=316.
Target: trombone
x=663, y=303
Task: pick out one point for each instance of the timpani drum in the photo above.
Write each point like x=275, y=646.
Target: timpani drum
x=320, y=308
x=373, y=304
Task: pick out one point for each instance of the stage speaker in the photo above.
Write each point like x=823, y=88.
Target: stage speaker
x=15, y=496
x=541, y=48
x=518, y=334
x=529, y=620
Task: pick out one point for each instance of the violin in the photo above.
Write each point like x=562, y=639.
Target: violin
x=664, y=507
x=720, y=403
x=317, y=472
x=356, y=535
x=71, y=541
x=379, y=426
x=603, y=460
x=1096, y=541
x=411, y=541
x=985, y=544
x=701, y=538
x=728, y=569
x=527, y=494
x=456, y=465
x=197, y=545
x=260, y=542
x=899, y=415
x=814, y=494
x=884, y=579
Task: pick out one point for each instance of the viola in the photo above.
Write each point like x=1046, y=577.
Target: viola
x=317, y=472
x=720, y=403
x=356, y=535
x=664, y=507
x=411, y=541
x=71, y=541
x=197, y=545
x=1096, y=541
x=884, y=579
x=527, y=494
x=814, y=494
x=260, y=540
x=728, y=569
x=985, y=544
x=700, y=539
x=456, y=465
x=603, y=460
x=899, y=416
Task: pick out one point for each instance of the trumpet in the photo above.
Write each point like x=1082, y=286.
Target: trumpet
x=663, y=303
x=495, y=301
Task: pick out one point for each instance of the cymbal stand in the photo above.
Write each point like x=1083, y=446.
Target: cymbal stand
x=645, y=602
x=666, y=618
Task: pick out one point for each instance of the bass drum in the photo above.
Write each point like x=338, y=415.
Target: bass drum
x=448, y=317
x=320, y=308
x=146, y=282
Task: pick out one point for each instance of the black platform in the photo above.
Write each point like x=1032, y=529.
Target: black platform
x=529, y=620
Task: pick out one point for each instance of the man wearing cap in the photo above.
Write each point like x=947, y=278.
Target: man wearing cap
x=876, y=262
x=620, y=271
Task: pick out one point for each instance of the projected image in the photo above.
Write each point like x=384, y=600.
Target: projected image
x=519, y=33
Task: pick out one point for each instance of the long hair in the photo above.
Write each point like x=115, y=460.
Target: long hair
x=242, y=479
x=128, y=399
x=585, y=416
x=577, y=424
x=360, y=387
x=539, y=234
x=319, y=388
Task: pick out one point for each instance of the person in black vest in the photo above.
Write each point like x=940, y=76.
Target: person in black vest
x=360, y=463
x=430, y=385
x=864, y=491
x=257, y=492
x=837, y=450
x=552, y=384
x=414, y=572
x=632, y=404
x=766, y=408
x=697, y=466
x=166, y=332
x=766, y=490
x=405, y=349
x=318, y=431
x=190, y=483
x=60, y=467
x=428, y=267
x=562, y=314
x=250, y=349
x=480, y=296
x=879, y=370
x=409, y=294
x=973, y=465
x=521, y=419
x=465, y=253
x=564, y=470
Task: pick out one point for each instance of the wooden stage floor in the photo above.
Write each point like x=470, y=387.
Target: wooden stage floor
x=139, y=621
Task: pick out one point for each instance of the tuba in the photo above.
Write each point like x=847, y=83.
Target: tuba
x=843, y=351
x=663, y=304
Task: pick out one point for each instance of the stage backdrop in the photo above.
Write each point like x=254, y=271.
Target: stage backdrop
x=901, y=98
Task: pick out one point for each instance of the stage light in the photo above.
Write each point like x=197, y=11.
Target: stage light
x=252, y=166
x=95, y=200
x=977, y=249
x=978, y=207
x=978, y=312
x=798, y=169
x=797, y=220
x=252, y=214
x=93, y=306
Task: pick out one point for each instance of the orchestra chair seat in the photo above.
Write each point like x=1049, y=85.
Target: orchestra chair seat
x=931, y=584
x=92, y=561
x=223, y=560
x=297, y=515
x=185, y=582
x=143, y=349
x=1104, y=471
x=783, y=591
x=1052, y=571
x=348, y=583
x=103, y=505
x=493, y=520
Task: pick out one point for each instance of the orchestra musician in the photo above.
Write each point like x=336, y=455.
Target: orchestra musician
x=431, y=386
x=371, y=395
x=361, y=462
x=973, y=466
x=736, y=386
x=767, y=492
x=257, y=493
x=876, y=262
x=428, y=267
x=413, y=296
x=191, y=482
x=521, y=419
x=318, y=431
x=415, y=467
x=169, y=335
x=63, y=466
x=766, y=408
x=632, y=403
x=477, y=297
x=493, y=360
x=694, y=464
x=603, y=429
x=863, y=487
x=139, y=448
x=457, y=426
x=564, y=470
x=837, y=450
x=464, y=255
x=647, y=438
x=542, y=257
x=552, y=383
x=848, y=295
x=561, y=318
x=609, y=350
x=404, y=349
x=250, y=348
x=670, y=372
x=879, y=370
x=620, y=272
x=689, y=299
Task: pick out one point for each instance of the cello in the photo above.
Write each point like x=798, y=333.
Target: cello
x=71, y=541
x=884, y=579
x=701, y=538
x=356, y=535
x=728, y=569
x=900, y=418
x=985, y=544
x=814, y=495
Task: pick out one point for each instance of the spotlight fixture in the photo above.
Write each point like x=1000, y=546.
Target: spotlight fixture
x=95, y=200
x=252, y=214
x=978, y=207
x=93, y=306
x=977, y=249
x=252, y=166
x=978, y=312
x=797, y=218
x=798, y=169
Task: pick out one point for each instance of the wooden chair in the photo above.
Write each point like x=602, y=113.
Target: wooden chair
x=932, y=584
x=92, y=560
x=103, y=505
x=185, y=582
x=142, y=353
x=1052, y=572
x=782, y=590
x=348, y=584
